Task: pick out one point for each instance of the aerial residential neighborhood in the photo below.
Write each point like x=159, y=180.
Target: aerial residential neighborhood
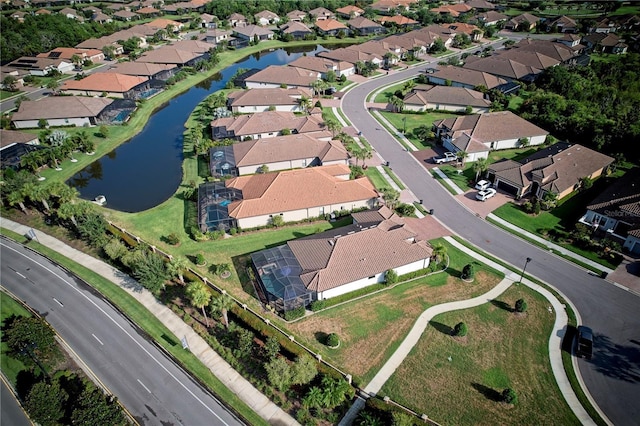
x=330, y=212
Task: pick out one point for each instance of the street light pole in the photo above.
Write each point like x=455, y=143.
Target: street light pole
x=524, y=269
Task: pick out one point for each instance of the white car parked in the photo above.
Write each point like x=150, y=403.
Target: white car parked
x=483, y=184
x=485, y=194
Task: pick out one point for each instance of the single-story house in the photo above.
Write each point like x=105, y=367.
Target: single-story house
x=169, y=54
x=349, y=11
x=41, y=66
x=144, y=69
x=391, y=53
x=453, y=10
x=446, y=98
x=149, y=11
x=266, y=124
x=524, y=22
x=480, y=4
x=331, y=27
x=67, y=53
x=321, y=66
x=390, y=7
x=509, y=68
x=208, y=21
x=250, y=33
x=363, y=26
x=101, y=18
x=278, y=153
x=276, y=76
x=60, y=111
x=266, y=17
x=296, y=16
x=491, y=17
x=351, y=56
x=71, y=14
x=296, y=30
x=444, y=75
x=216, y=36
x=564, y=24
x=605, y=43
x=321, y=14
x=260, y=100
x=616, y=211
x=398, y=21
x=338, y=261
x=105, y=83
x=125, y=15
x=478, y=134
x=164, y=24
x=251, y=201
x=557, y=169
x=237, y=20
x=13, y=145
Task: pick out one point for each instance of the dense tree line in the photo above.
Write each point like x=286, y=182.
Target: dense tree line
x=42, y=33
x=597, y=105
x=222, y=9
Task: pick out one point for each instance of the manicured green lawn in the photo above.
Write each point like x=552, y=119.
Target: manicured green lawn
x=457, y=381
x=10, y=367
x=5, y=94
x=464, y=180
x=413, y=121
x=384, y=95
x=376, y=178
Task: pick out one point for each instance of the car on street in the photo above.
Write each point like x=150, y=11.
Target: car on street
x=446, y=158
x=485, y=194
x=585, y=342
x=482, y=185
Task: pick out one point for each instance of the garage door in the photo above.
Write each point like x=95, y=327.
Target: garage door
x=635, y=249
x=507, y=188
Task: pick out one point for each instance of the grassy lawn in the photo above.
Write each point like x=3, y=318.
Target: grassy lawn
x=393, y=177
x=384, y=95
x=370, y=330
x=152, y=326
x=376, y=178
x=413, y=121
x=501, y=350
x=462, y=180
x=10, y=367
x=4, y=94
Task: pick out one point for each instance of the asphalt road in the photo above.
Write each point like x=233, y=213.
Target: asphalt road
x=10, y=410
x=613, y=375
x=154, y=389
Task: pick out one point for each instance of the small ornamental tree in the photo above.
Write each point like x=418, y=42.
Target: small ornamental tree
x=391, y=277
x=509, y=396
x=200, y=259
x=277, y=221
x=467, y=272
x=460, y=329
x=333, y=341
x=521, y=306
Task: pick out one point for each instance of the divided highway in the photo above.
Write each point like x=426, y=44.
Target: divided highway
x=145, y=380
x=613, y=376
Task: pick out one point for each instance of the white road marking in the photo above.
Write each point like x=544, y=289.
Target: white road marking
x=142, y=384
x=95, y=337
x=77, y=290
x=58, y=302
x=20, y=275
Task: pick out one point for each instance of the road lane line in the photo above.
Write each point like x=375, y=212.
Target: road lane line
x=58, y=302
x=95, y=337
x=142, y=384
x=135, y=341
x=20, y=275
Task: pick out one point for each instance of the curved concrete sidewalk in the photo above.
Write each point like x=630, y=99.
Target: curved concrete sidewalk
x=555, y=340
x=251, y=396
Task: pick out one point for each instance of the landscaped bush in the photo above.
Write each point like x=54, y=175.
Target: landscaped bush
x=521, y=305
x=460, y=329
x=509, y=396
x=200, y=259
x=173, y=239
x=333, y=341
x=404, y=209
x=467, y=272
x=294, y=313
x=391, y=277
x=318, y=305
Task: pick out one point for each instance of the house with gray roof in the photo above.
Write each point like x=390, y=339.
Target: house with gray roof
x=275, y=76
x=523, y=22
x=278, y=153
x=462, y=77
x=266, y=17
x=616, y=212
x=268, y=124
x=249, y=33
x=13, y=145
x=260, y=100
x=323, y=65
x=60, y=111
x=296, y=16
x=338, y=261
x=363, y=26
x=148, y=70
x=321, y=13
x=297, y=30
x=557, y=169
x=171, y=55
x=478, y=134
x=446, y=98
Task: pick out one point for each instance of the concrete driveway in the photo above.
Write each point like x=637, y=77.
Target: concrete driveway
x=483, y=208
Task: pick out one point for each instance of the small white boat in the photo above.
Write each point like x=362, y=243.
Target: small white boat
x=100, y=200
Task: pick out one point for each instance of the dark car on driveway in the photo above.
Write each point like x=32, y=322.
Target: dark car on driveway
x=585, y=342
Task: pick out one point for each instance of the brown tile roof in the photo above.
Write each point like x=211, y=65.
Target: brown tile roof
x=361, y=22
x=447, y=95
x=194, y=46
x=68, y=52
x=296, y=14
x=269, y=122
x=492, y=16
x=462, y=28
x=493, y=126
x=273, y=193
x=321, y=11
x=276, y=74
x=267, y=14
x=349, y=9
x=294, y=27
x=349, y=55
x=330, y=260
x=104, y=82
x=61, y=107
x=9, y=137
x=480, y=4
x=286, y=148
x=501, y=66
x=161, y=23
x=330, y=25
x=398, y=20
x=253, y=30
x=125, y=14
x=366, y=218
x=558, y=51
x=525, y=18
x=378, y=47
x=140, y=68
x=150, y=10
x=621, y=200
x=452, y=9
x=314, y=63
x=266, y=97
x=468, y=76
x=168, y=55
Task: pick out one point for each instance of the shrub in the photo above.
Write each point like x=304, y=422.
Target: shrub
x=333, y=340
x=467, y=272
x=509, y=396
x=521, y=305
x=173, y=239
x=318, y=305
x=404, y=209
x=294, y=313
x=391, y=277
x=460, y=329
x=200, y=259
x=536, y=207
x=527, y=207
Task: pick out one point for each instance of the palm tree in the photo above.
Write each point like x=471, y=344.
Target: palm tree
x=366, y=154
x=390, y=197
x=439, y=252
x=33, y=161
x=409, y=86
x=305, y=104
x=222, y=304
x=462, y=155
x=200, y=296
x=176, y=267
x=480, y=166
x=313, y=399
x=17, y=197
x=333, y=125
x=397, y=103
x=319, y=86
x=41, y=193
